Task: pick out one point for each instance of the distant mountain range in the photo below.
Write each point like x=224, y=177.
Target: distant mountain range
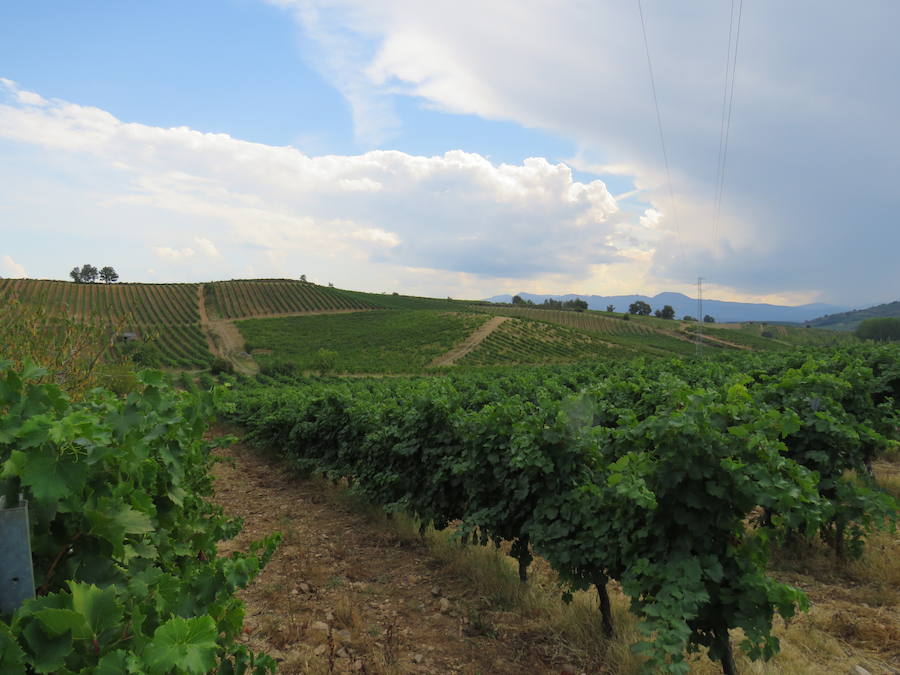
x=723, y=312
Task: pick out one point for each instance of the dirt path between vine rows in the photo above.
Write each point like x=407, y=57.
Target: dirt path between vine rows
x=224, y=339
x=709, y=338
x=388, y=604
x=467, y=345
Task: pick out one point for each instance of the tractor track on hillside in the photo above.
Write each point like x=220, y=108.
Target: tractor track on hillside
x=224, y=339
x=470, y=343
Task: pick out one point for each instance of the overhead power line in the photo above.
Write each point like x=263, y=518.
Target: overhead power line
x=662, y=137
x=728, y=93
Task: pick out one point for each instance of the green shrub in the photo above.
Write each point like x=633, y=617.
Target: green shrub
x=220, y=365
x=123, y=534
x=882, y=329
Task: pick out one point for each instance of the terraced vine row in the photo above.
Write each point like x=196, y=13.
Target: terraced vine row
x=239, y=299
x=165, y=314
x=517, y=341
x=589, y=321
x=139, y=304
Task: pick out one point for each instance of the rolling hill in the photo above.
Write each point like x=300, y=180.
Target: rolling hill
x=850, y=320
x=286, y=321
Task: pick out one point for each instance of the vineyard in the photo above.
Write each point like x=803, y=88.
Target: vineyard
x=138, y=304
x=674, y=479
x=185, y=321
x=165, y=315
x=532, y=342
x=594, y=322
x=383, y=341
x=785, y=334
x=397, y=301
x=650, y=335
x=673, y=482
x=240, y=299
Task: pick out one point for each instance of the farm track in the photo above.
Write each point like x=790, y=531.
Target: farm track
x=467, y=345
x=382, y=595
x=684, y=334
x=225, y=340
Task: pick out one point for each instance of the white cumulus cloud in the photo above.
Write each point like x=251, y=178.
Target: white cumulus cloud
x=10, y=268
x=456, y=212
x=813, y=125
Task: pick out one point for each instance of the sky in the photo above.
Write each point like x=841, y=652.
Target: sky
x=461, y=149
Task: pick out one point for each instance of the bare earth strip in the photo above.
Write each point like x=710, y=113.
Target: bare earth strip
x=475, y=339
x=225, y=341
x=389, y=606
x=710, y=338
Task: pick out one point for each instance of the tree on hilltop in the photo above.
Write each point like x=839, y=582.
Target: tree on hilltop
x=108, y=275
x=86, y=274
x=709, y=319
x=667, y=312
x=89, y=273
x=640, y=308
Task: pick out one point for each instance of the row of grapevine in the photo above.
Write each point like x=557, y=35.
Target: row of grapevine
x=123, y=534
x=133, y=303
x=360, y=342
x=588, y=321
x=165, y=315
x=180, y=345
x=672, y=478
x=516, y=341
x=237, y=299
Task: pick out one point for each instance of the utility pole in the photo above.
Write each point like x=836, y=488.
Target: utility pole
x=699, y=316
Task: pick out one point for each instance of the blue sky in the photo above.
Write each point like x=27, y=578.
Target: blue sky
x=188, y=141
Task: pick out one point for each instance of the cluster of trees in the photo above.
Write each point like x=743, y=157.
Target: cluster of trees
x=577, y=304
x=88, y=274
x=641, y=308
x=882, y=329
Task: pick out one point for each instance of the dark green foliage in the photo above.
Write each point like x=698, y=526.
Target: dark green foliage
x=881, y=329
x=142, y=354
x=108, y=275
x=123, y=535
x=640, y=308
x=647, y=472
x=369, y=342
x=220, y=366
x=667, y=312
x=397, y=301
x=86, y=274
x=849, y=320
